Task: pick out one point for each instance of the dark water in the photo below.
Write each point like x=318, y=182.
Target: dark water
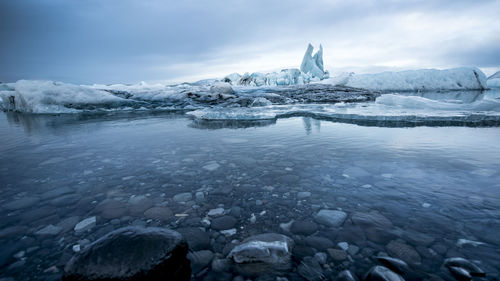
x=435, y=185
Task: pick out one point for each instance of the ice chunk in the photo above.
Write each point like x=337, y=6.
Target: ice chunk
x=49, y=97
x=313, y=64
x=495, y=75
x=494, y=80
x=421, y=80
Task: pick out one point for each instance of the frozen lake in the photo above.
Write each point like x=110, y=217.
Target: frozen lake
x=421, y=193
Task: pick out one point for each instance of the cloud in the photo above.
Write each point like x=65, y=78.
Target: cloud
x=128, y=41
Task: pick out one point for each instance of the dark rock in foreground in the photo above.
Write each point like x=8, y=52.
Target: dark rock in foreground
x=132, y=253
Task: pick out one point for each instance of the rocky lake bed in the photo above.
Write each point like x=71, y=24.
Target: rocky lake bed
x=298, y=199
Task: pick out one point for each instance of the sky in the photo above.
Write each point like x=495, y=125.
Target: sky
x=126, y=41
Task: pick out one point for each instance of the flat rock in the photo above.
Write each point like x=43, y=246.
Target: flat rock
x=319, y=243
x=303, y=227
x=85, y=224
x=303, y=194
x=132, y=253
x=183, y=197
x=110, y=209
x=159, y=213
x=223, y=223
x=331, y=218
x=403, y=251
x=49, y=230
x=371, y=219
x=65, y=200
x=211, y=166
x=337, y=254
x=195, y=237
x=310, y=269
x=21, y=203
x=263, y=254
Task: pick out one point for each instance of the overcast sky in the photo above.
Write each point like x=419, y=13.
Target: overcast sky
x=113, y=41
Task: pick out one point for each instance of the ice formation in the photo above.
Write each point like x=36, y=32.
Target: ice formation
x=52, y=97
x=313, y=65
x=311, y=70
x=494, y=80
x=417, y=80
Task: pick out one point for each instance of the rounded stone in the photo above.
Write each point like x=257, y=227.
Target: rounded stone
x=332, y=218
x=223, y=223
x=303, y=227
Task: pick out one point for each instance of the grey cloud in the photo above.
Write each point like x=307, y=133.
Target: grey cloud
x=126, y=41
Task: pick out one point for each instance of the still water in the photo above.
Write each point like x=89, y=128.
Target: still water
x=426, y=193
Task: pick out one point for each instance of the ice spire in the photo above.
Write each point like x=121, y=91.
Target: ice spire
x=313, y=64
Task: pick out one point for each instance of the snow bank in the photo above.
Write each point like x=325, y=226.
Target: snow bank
x=50, y=97
x=418, y=80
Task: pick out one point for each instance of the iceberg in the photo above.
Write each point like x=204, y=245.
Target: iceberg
x=285, y=77
x=463, y=78
x=313, y=65
x=33, y=96
x=494, y=80
x=311, y=70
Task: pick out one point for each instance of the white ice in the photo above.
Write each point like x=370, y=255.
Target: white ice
x=50, y=97
x=463, y=78
x=313, y=64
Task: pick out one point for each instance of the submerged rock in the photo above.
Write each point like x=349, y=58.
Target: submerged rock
x=473, y=269
x=460, y=273
x=263, y=254
x=381, y=273
x=396, y=265
x=330, y=217
x=346, y=275
x=132, y=253
x=403, y=251
x=310, y=269
x=85, y=224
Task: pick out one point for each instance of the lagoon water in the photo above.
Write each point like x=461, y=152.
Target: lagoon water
x=420, y=193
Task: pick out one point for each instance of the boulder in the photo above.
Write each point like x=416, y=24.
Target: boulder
x=132, y=253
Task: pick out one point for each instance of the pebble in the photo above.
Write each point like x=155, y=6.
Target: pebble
x=228, y=232
x=216, y=212
x=343, y=245
x=211, y=166
x=183, y=197
x=303, y=194
x=85, y=224
x=223, y=223
x=76, y=248
x=49, y=230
